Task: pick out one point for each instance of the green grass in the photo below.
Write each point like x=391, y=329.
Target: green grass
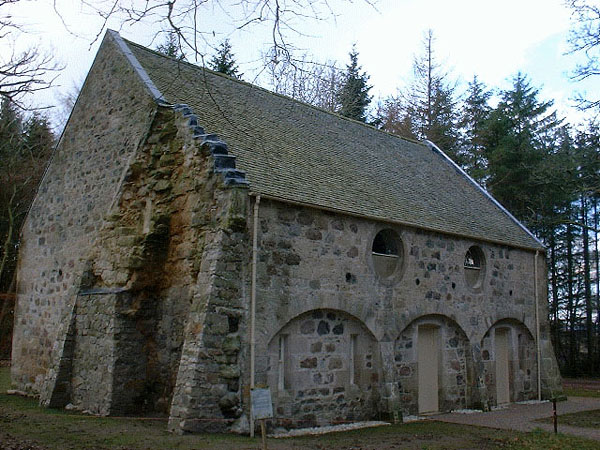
x=23, y=420
x=580, y=392
x=585, y=419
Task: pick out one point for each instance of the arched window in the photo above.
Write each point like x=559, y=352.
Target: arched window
x=387, y=253
x=474, y=265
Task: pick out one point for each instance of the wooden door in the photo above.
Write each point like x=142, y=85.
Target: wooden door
x=428, y=368
x=502, y=376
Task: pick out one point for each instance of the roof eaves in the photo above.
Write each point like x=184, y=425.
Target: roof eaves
x=484, y=192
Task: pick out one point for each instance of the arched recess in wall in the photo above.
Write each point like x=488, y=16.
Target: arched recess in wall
x=509, y=358
x=432, y=359
x=324, y=366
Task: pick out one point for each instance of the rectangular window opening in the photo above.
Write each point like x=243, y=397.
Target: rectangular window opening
x=353, y=349
x=283, y=377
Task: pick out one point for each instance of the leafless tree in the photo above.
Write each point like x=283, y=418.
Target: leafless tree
x=305, y=80
x=23, y=71
x=190, y=19
x=584, y=39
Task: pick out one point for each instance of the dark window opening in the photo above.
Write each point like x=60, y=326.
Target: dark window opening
x=472, y=259
x=474, y=265
x=385, y=243
x=387, y=253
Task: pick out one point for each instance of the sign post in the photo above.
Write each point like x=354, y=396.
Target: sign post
x=261, y=409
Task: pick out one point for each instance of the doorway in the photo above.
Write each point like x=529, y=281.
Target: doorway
x=502, y=367
x=428, y=368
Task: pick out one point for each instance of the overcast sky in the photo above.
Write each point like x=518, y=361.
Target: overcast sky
x=491, y=39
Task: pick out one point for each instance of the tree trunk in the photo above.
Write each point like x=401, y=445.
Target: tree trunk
x=571, y=313
x=555, y=320
x=587, y=286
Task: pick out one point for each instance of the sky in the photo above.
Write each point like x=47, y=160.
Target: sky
x=493, y=40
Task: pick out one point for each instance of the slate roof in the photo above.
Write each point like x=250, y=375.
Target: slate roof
x=296, y=152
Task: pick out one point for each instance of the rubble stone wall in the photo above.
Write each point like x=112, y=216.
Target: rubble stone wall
x=110, y=119
x=315, y=260
x=324, y=368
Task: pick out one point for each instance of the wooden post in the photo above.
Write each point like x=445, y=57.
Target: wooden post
x=554, y=416
x=263, y=432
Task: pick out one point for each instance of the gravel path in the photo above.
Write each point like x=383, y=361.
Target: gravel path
x=522, y=417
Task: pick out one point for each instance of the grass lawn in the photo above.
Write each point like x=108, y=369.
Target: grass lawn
x=585, y=419
x=579, y=392
x=23, y=424
x=581, y=387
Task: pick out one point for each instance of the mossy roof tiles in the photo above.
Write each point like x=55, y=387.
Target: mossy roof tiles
x=300, y=153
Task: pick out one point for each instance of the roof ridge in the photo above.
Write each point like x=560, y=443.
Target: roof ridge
x=145, y=78
x=256, y=86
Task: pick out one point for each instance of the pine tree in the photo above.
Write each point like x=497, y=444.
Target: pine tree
x=38, y=139
x=475, y=112
x=353, y=95
x=11, y=127
x=171, y=47
x=520, y=136
x=224, y=61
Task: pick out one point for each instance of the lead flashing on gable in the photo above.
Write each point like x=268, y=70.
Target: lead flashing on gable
x=156, y=94
x=435, y=148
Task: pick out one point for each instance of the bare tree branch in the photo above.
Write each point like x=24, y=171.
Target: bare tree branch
x=21, y=72
x=584, y=38
x=189, y=19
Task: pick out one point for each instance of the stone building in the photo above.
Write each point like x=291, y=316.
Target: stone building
x=196, y=235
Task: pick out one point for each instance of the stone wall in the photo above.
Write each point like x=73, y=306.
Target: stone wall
x=110, y=119
x=324, y=367
x=312, y=260
x=157, y=251
x=92, y=371
x=522, y=362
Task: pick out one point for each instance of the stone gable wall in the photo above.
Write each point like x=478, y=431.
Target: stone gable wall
x=174, y=237
x=110, y=119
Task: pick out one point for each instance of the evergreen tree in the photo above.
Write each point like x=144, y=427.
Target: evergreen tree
x=353, y=95
x=38, y=139
x=475, y=112
x=224, y=61
x=171, y=47
x=520, y=134
x=11, y=126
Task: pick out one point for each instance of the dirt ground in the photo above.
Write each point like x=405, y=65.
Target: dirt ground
x=8, y=442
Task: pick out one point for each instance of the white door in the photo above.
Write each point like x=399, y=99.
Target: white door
x=502, y=378
x=428, y=367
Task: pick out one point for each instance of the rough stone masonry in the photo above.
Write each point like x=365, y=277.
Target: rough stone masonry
x=136, y=271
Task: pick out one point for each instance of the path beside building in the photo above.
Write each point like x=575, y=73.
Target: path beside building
x=522, y=417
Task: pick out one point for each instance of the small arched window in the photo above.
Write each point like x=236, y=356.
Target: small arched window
x=472, y=259
x=474, y=266
x=386, y=253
